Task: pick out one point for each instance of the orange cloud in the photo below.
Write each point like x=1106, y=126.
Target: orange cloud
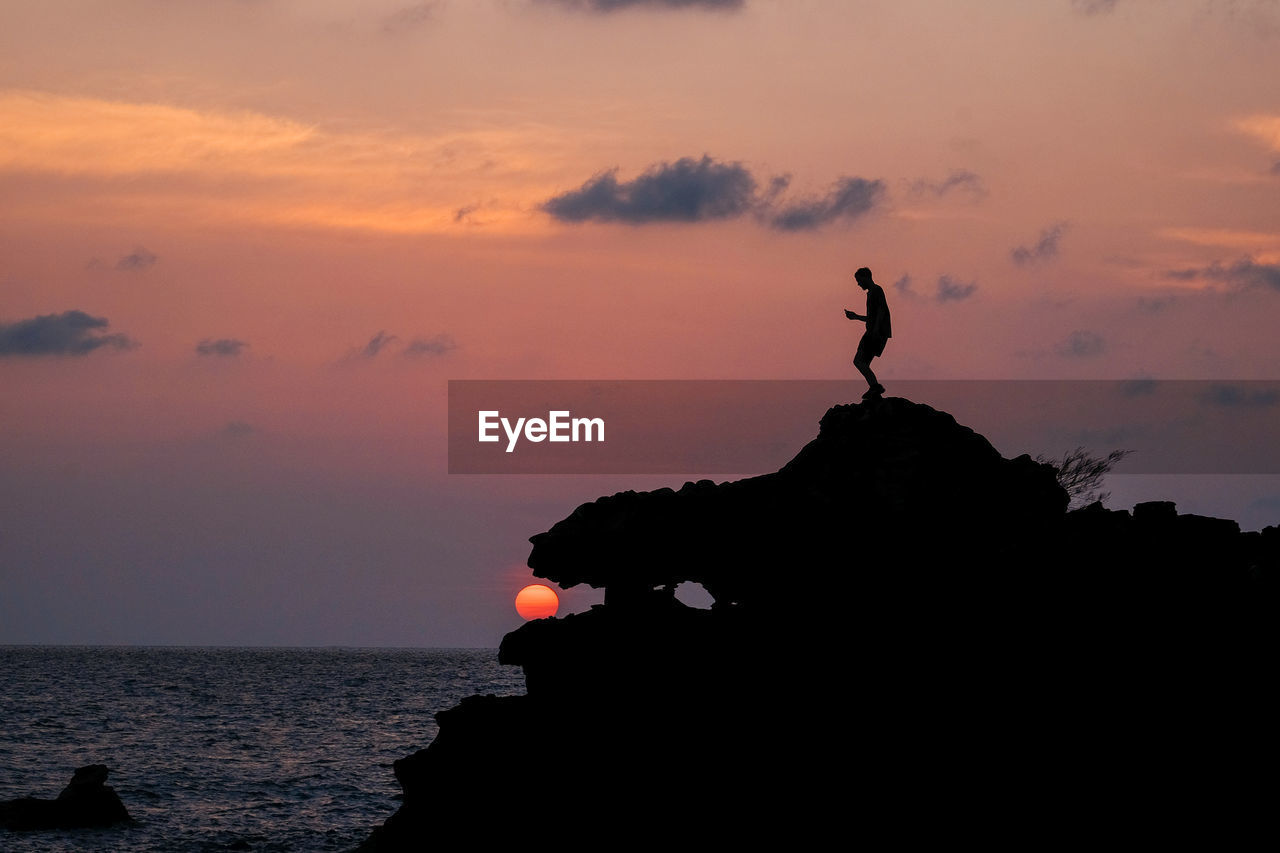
x=1262, y=127
x=1228, y=238
x=69, y=135
x=283, y=171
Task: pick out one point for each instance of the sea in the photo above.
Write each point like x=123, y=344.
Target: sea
x=219, y=749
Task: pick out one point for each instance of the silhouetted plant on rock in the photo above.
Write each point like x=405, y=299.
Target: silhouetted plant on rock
x=1081, y=473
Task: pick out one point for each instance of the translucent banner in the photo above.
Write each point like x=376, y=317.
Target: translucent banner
x=744, y=427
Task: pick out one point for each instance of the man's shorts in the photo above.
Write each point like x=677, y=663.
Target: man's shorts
x=869, y=347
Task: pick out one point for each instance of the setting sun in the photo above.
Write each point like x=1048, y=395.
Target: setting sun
x=537, y=601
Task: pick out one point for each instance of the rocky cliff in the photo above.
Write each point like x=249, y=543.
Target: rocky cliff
x=911, y=638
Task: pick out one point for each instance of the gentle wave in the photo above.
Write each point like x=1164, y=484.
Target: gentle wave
x=228, y=748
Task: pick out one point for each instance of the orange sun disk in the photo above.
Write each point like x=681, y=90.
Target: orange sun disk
x=537, y=601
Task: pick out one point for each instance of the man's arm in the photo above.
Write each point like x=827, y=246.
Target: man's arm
x=853, y=316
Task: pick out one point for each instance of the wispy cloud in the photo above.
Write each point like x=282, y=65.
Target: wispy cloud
x=284, y=171
x=1082, y=343
x=605, y=6
x=410, y=17
x=848, y=200
x=220, y=347
x=1155, y=304
x=138, y=259
x=237, y=429
x=1228, y=238
x=417, y=347
x=1245, y=273
x=1043, y=249
x=953, y=290
x=432, y=346
x=377, y=344
x=947, y=289
x=1263, y=127
x=68, y=333
x=75, y=136
x=959, y=180
x=1093, y=7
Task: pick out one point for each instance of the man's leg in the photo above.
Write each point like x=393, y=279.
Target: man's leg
x=862, y=361
x=864, y=367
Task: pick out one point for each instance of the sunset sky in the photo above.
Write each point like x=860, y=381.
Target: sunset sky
x=244, y=245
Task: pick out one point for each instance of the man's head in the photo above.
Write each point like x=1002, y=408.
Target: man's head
x=863, y=277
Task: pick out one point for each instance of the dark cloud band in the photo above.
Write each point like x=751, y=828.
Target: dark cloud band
x=68, y=333
x=701, y=190
x=687, y=190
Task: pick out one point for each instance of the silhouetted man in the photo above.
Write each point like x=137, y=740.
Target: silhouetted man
x=878, y=330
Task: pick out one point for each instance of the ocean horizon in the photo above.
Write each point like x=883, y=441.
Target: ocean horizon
x=267, y=748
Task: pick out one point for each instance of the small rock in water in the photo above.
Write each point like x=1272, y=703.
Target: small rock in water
x=86, y=802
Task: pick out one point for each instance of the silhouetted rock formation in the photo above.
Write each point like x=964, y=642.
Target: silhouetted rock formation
x=911, y=635
x=859, y=494
x=88, y=801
